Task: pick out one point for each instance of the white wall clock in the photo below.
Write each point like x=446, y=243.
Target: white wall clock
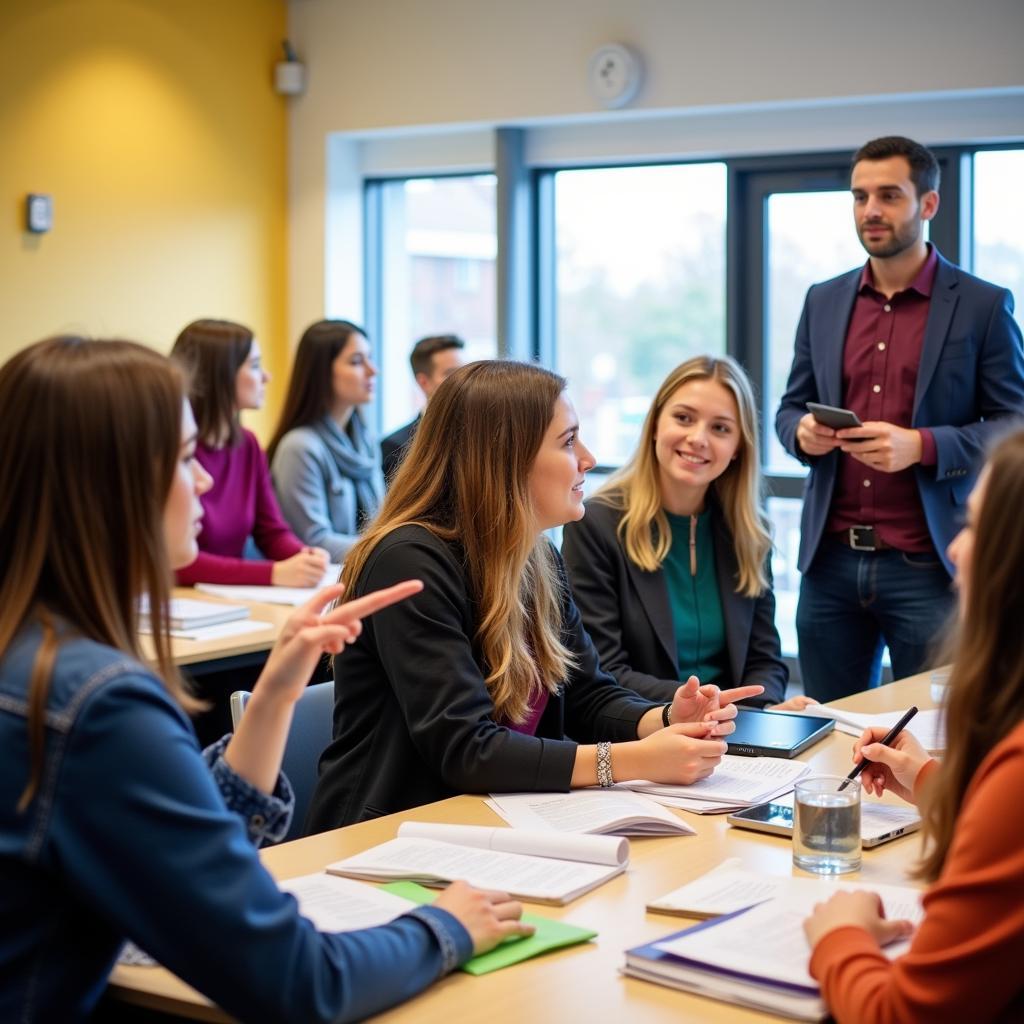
x=615, y=72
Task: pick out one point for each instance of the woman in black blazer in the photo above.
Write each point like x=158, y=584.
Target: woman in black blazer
x=670, y=567
x=472, y=685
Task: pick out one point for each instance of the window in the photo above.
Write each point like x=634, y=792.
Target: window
x=810, y=237
x=437, y=242
x=636, y=269
x=639, y=287
x=999, y=221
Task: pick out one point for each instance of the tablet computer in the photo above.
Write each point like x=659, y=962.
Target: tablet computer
x=775, y=733
x=878, y=822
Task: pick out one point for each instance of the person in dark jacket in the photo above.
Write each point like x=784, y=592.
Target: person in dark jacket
x=432, y=359
x=475, y=683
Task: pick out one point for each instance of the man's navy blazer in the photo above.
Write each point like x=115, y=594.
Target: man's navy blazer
x=392, y=449
x=971, y=376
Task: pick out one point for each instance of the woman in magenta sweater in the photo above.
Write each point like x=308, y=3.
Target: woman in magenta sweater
x=226, y=375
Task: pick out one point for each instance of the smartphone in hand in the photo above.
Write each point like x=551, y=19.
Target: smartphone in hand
x=834, y=417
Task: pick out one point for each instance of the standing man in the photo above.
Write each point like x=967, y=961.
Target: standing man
x=929, y=357
x=432, y=359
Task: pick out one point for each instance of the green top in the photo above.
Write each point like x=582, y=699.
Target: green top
x=695, y=601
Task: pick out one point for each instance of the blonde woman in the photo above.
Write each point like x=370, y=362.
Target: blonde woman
x=669, y=567
x=472, y=685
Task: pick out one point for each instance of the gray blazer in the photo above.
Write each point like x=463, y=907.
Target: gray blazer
x=316, y=498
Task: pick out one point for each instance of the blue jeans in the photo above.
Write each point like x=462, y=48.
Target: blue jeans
x=854, y=603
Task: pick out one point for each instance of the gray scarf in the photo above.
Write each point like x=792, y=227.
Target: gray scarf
x=356, y=457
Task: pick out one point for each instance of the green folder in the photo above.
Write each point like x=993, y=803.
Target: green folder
x=549, y=934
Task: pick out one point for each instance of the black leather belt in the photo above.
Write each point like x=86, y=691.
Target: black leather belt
x=861, y=538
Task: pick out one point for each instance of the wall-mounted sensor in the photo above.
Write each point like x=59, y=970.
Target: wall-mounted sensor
x=290, y=73
x=38, y=212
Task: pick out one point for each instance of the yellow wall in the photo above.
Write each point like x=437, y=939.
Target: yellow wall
x=154, y=125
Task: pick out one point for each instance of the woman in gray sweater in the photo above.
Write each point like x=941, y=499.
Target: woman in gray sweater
x=325, y=467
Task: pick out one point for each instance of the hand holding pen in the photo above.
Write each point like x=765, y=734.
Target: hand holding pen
x=889, y=760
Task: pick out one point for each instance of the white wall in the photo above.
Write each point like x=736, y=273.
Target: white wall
x=420, y=84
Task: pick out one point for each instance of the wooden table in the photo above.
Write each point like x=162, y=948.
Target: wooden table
x=581, y=983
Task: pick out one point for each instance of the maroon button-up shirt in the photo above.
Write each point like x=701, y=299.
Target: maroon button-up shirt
x=880, y=363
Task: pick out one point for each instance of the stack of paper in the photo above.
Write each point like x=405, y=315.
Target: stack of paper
x=293, y=596
x=544, y=867
x=737, y=782
x=928, y=727
x=596, y=811
x=202, y=620
x=730, y=887
x=339, y=905
x=754, y=957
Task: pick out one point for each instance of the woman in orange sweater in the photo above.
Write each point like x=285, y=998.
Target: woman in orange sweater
x=964, y=963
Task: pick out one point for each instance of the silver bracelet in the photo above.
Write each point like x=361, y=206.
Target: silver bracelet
x=604, y=765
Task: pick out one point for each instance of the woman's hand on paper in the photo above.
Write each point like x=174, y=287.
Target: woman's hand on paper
x=489, y=917
x=678, y=755
x=894, y=768
x=859, y=909
x=695, y=703
x=305, y=569
x=310, y=632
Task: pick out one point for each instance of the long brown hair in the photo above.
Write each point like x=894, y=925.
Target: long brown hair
x=986, y=684
x=89, y=440
x=636, y=488
x=466, y=478
x=212, y=352
x=310, y=389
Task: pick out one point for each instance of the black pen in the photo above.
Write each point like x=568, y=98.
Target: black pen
x=885, y=741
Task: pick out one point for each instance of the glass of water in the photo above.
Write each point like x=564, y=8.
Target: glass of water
x=826, y=826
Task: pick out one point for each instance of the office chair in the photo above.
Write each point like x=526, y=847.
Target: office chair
x=308, y=737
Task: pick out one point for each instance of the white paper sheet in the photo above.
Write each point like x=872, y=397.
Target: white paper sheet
x=927, y=726
x=730, y=887
x=293, y=596
x=737, y=781
x=222, y=630
x=336, y=904
x=600, y=811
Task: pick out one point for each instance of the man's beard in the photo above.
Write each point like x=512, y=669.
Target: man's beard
x=899, y=240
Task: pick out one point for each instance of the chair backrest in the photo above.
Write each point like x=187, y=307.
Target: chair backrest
x=311, y=732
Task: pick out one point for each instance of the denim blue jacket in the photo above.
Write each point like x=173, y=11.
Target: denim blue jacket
x=130, y=836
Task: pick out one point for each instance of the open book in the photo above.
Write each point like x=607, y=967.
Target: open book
x=928, y=727
x=542, y=867
x=756, y=957
x=597, y=811
x=737, y=782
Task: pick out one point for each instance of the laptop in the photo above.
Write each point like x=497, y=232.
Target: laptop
x=775, y=733
x=879, y=822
